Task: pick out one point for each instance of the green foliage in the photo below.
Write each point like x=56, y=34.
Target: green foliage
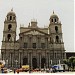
x=70, y=62
x=65, y=61
x=74, y=61
x=71, y=59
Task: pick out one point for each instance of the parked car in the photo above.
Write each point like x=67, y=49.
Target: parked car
x=60, y=67
x=9, y=70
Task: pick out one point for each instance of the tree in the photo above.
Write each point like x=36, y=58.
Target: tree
x=72, y=62
x=66, y=61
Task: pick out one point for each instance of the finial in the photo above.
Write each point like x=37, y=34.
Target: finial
x=53, y=11
x=12, y=9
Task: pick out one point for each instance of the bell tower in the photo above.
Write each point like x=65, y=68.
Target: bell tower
x=9, y=33
x=56, y=39
x=55, y=29
x=9, y=36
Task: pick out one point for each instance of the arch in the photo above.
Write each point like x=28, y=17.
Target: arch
x=51, y=20
x=34, y=63
x=55, y=20
x=57, y=38
x=9, y=37
x=56, y=29
x=25, y=61
x=10, y=17
x=9, y=27
x=43, y=62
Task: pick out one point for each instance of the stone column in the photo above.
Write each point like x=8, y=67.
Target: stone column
x=46, y=42
x=2, y=56
x=30, y=42
x=12, y=59
x=39, y=42
x=28, y=58
x=19, y=59
x=46, y=60
x=31, y=60
x=40, y=61
x=49, y=60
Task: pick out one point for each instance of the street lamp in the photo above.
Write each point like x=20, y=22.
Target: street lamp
x=51, y=62
x=16, y=61
x=59, y=62
x=7, y=63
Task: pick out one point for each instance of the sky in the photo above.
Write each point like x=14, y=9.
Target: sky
x=41, y=10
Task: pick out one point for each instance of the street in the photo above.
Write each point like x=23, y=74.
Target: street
x=41, y=73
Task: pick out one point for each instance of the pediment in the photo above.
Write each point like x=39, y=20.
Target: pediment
x=34, y=32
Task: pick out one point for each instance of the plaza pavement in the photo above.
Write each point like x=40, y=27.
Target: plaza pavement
x=71, y=73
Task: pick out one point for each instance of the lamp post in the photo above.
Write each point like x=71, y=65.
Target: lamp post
x=51, y=62
x=7, y=63
x=59, y=62
x=16, y=61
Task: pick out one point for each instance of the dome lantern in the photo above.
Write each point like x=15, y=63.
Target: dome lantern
x=11, y=16
x=54, y=18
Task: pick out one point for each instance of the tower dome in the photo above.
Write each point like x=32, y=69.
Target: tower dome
x=54, y=18
x=11, y=13
x=11, y=16
x=53, y=15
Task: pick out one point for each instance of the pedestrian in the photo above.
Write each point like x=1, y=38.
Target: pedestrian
x=14, y=70
x=51, y=70
x=2, y=70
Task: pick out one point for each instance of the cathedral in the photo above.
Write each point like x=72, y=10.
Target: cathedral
x=36, y=47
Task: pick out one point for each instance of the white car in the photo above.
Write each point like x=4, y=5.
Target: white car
x=9, y=70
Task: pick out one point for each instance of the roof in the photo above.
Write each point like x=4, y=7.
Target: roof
x=53, y=15
x=35, y=30
x=11, y=13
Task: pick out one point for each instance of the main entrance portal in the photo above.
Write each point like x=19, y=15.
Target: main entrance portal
x=25, y=61
x=43, y=62
x=34, y=63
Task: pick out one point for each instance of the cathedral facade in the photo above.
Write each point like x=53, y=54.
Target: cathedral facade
x=36, y=47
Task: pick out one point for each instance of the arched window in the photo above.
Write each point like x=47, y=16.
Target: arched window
x=34, y=63
x=57, y=39
x=55, y=20
x=34, y=45
x=56, y=29
x=10, y=17
x=25, y=61
x=43, y=62
x=9, y=27
x=52, y=20
x=9, y=37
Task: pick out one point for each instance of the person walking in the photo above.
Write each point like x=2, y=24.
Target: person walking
x=14, y=70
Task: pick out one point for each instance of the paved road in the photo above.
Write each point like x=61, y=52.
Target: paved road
x=43, y=73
